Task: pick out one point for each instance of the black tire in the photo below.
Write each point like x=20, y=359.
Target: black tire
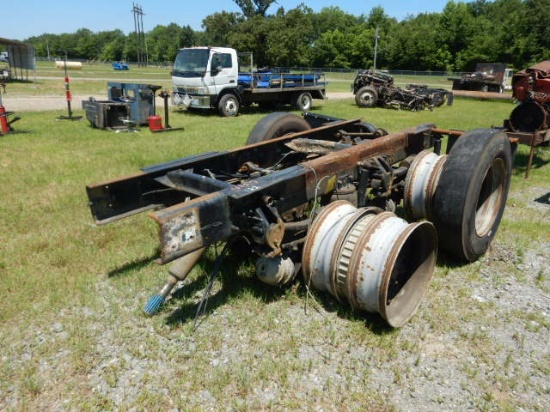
x=366, y=96
x=275, y=125
x=471, y=193
x=228, y=105
x=302, y=101
x=439, y=99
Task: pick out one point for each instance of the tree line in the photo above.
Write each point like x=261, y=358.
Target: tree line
x=516, y=32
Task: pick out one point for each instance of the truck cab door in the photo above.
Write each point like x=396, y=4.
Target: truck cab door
x=224, y=71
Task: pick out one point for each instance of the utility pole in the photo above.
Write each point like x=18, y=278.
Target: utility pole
x=140, y=35
x=375, y=46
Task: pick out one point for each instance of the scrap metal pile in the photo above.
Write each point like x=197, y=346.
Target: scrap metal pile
x=373, y=88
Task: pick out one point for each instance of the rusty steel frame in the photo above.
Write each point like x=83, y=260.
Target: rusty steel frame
x=188, y=226
x=198, y=208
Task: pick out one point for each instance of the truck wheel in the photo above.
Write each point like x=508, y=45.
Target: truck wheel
x=366, y=96
x=439, y=99
x=471, y=193
x=275, y=125
x=228, y=105
x=303, y=101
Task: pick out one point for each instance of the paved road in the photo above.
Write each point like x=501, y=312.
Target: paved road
x=14, y=104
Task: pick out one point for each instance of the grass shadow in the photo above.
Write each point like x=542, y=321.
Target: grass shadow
x=372, y=321
x=131, y=266
x=544, y=199
x=521, y=161
x=446, y=260
x=235, y=285
x=253, y=109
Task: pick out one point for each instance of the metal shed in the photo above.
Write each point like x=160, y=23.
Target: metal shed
x=21, y=59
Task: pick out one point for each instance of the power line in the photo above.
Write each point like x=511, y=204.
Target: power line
x=140, y=35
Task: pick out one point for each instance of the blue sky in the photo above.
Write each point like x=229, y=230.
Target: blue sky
x=21, y=19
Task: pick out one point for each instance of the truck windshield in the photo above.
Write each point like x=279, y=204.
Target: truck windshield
x=191, y=63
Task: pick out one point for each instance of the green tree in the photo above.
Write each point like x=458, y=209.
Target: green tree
x=329, y=50
x=360, y=51
x=536, y=23
x=288, y=38
x=86, y=46
x=340, y=39
x=188, y=37
x=333, y=18
x=414, y=44
x=465, y=33
x=385, y=25
x=252, y=8
x=251, y=36
x=512, y=40
x=218, y=27
x=457, y=29
x=130, y=48
x=111, y=45
x=163, y=42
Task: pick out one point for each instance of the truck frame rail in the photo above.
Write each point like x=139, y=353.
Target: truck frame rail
x=318, y=195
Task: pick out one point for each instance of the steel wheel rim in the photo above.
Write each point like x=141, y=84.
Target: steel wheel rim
x=490, y=198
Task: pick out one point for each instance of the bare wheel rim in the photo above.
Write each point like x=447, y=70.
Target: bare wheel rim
x=490, y=198
x=367, y=97
x=305, y=102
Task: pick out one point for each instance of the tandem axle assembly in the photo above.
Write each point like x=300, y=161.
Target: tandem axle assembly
x=318, y=196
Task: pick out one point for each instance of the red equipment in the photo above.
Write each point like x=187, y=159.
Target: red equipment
x=5, y=124
x=155, y=122
x=3, y=120
x=531, y=87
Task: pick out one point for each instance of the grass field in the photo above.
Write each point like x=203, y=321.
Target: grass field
x=73, y=336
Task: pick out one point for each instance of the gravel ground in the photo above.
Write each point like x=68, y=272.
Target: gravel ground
x=495, y=354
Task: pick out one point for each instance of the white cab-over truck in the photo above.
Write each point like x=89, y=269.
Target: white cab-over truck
x=210, y=77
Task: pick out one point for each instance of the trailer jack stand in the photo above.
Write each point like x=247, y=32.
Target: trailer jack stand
x=167, y=128
x=68, y=97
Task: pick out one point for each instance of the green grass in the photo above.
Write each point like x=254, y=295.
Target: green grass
x=73, y=291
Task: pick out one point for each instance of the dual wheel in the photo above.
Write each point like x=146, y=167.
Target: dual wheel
x=462, y=193
x=471, y=193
